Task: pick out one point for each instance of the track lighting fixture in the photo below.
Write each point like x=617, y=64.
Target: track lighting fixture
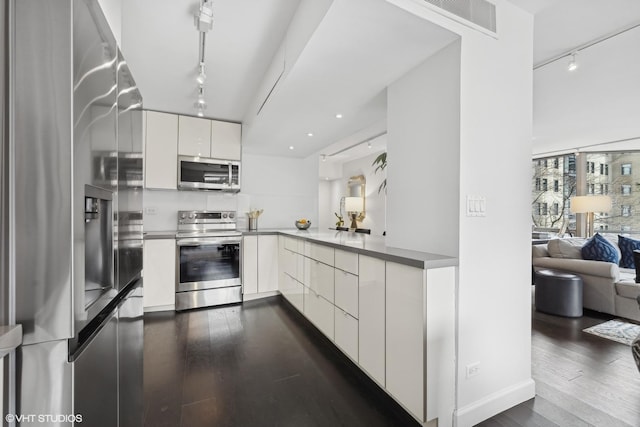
x=202, y=77
x=573, y=65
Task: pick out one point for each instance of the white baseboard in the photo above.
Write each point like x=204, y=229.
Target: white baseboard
x=250, y=297
x=170, y=307
x=495, y=403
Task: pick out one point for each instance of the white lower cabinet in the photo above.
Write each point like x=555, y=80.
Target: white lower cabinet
x=371, y=314
x=159, y=266
x=319, y=278
x=405, y=333
x=346, y=292
x=319, y=311
x=259, y=264
x=249, y=265
x=267, y=263
x=346, y=333
x=293, y=291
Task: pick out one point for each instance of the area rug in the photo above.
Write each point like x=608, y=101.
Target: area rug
x=615, y=330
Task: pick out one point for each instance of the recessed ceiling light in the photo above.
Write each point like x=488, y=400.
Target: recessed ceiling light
x=309, y=134
x=338, y=116
x=291, y=147
x=368, y=145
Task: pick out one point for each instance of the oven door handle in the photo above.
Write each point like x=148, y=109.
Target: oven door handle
x=208, y=241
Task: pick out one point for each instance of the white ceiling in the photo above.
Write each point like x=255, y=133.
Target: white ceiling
x=562, y=25
x=358, y=48
x=161, y=45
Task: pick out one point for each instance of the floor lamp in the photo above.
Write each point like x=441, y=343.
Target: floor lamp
x=589, y=205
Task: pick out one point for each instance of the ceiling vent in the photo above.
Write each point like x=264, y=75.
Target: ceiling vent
x=480, y=12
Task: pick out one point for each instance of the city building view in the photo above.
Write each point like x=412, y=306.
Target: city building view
x=555, y=180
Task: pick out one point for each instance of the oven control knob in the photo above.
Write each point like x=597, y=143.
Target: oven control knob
x=191, y=216
x=183, y=215
x=224, y=215
x=231, y=215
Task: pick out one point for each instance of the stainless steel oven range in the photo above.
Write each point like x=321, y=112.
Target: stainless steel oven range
x=208, y=259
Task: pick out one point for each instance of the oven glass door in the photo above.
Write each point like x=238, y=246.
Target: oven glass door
x=208, y=264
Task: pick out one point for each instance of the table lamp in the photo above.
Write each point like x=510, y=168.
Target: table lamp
x=353, y=206
x=589, y=205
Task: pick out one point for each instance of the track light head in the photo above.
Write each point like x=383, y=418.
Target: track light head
x=573, y=64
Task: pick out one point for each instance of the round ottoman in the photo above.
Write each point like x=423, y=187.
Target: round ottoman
x=559, y=293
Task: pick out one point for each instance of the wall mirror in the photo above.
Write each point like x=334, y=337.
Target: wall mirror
x=356, y=187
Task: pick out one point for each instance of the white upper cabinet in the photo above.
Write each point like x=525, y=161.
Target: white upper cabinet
x=194, y=137
x=161, y=146
x=226, y=140
x=209, y=138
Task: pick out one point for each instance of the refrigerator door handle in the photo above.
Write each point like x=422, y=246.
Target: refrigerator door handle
x=10, y=339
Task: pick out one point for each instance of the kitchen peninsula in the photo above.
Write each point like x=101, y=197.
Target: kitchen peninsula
x=390, y=310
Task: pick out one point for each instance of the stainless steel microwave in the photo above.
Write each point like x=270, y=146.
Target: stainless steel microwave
x=199, y=173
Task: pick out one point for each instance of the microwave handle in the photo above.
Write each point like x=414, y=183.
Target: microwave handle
x=230, y=174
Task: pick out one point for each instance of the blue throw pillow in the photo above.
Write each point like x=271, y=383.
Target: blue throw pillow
x=598, y=248
x=627, y=246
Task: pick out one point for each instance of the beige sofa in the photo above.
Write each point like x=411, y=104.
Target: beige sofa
x=607, y=287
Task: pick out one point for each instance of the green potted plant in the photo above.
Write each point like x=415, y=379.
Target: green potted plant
x=381, y=162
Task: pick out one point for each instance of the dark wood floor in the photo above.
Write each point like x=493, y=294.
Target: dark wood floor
x=254, y=365
x=259, y=365
x=581, y=379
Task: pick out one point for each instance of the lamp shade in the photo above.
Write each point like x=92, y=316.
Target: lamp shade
x=353, y=204
x=584, y=204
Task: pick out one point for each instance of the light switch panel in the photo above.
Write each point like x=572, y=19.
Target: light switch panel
x=476, y=206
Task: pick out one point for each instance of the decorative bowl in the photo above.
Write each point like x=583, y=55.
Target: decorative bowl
x=303, y=225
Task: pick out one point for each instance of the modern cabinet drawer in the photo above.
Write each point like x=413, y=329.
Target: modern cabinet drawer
x=346, y=292
x=346, y=333
x=320, y=312
x=293, y=291
x=347, y=261
x=319, y=252
x=289, y=265
x=292, y=244
x=319, y=277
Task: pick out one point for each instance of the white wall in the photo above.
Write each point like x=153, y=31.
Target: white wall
x=423, y=148
x=333, y=190
x=597, y=103
x=286, y=188
x=494, y=295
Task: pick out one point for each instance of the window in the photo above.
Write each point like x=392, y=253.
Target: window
x=601, y=169
x=555, y=209
x=606, y=170
x=591, y=167
x=626, y=190
x=556, y=185
x=544, y=185
x=626, y=210
x=556, y=163
x=626, y=169
x=544, y=209
x=539, y=209
x=591, y=188
x=537, y=184
x=602, y=189
x=606, y=189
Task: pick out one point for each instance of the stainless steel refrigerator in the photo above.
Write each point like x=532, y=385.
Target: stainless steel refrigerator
x=71, y=264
